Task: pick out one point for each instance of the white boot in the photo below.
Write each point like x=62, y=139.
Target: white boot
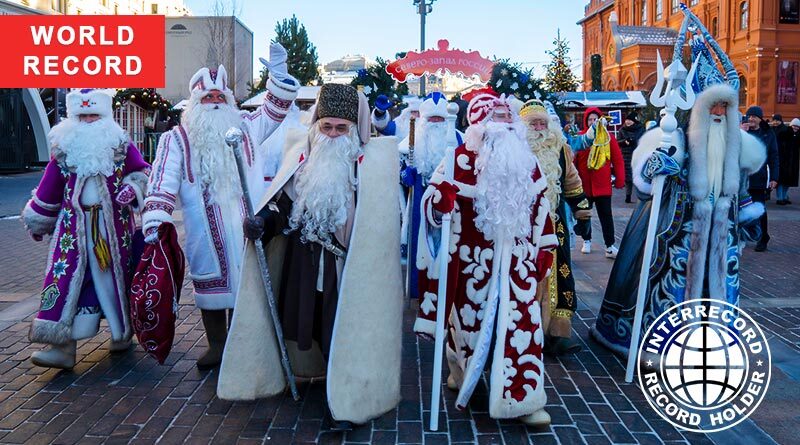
x=120, y=346
x=611, y=252
x=538, y=418
x=587, y=247
x=451, y=383
x=56, y=356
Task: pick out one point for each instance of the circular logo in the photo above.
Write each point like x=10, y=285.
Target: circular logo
x=704, y=365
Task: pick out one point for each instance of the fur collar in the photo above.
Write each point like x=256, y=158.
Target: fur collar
x=120, y=152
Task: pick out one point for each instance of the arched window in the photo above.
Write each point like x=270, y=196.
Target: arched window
x=714, y=26
x=659, y=9
x=743, y=15
x=644, y=12
x=742, y=91
x=676, y=4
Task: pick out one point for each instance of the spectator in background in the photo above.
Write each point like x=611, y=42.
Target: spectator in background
x=766, y=179
x=778, y=127
x=595, y=160
x=629, y=136
x=789, y=156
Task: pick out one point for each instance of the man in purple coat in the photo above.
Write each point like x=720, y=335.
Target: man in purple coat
x=85, y=202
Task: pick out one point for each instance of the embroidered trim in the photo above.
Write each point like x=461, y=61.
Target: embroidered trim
x=159, y=205
x=166, y=196
x=217, y=285
x=187, y=155
x=573, y=193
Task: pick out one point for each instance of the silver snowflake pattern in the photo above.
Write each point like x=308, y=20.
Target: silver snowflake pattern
x=504, y=72
x=67, y=242
x=126, y=239
x=514, y=86
x=60, y=268
x=66, y=216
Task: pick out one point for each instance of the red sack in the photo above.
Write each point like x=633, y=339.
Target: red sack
x=156, y=291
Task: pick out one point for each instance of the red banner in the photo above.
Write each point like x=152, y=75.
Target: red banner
x=83, y=51
x=442, y=59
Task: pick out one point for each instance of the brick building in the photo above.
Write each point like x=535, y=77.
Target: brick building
x=762, y=39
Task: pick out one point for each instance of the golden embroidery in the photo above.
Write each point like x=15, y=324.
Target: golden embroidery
x=560, y=227
x=562, y=313
x=564, y=270
x=574, y=192
x=569, y=296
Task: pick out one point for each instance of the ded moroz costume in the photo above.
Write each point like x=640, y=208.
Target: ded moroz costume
x=193, y=163
x=331, y=227
x=556, y=294
x=705, y=211
x=501, y=248
x=85, y=201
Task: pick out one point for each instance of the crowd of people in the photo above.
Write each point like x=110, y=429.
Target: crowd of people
x=338, y=211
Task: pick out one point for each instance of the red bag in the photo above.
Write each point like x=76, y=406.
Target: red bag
x=156, y=291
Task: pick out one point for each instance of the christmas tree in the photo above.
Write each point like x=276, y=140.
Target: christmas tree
x=509, y=79
x=302, y=54
x=376, y=81
x=559, y=76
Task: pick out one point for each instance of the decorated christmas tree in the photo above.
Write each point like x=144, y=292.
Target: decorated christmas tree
x=376, y=81
x=559, y=76
x=510, y=79
x=146, y=98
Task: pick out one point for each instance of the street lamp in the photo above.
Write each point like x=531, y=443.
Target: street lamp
x=424, y=7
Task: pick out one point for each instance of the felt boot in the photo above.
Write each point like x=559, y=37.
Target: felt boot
x=538, y=418
x=56, y=356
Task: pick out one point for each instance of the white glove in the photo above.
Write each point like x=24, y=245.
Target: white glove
x=276, y=65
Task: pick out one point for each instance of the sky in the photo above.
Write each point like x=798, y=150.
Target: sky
x=520, y=30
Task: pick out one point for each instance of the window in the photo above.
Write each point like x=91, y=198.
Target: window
x=676, y=6
x=154, y=8
x=659, y=9
x=714, y=25
x=742, y=90
x=743, y=15
x=693, y=3
x=644, y=12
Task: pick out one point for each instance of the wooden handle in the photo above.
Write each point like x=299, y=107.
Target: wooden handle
x=411, y=126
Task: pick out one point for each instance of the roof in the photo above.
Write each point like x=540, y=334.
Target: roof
x=597, y=11
x=304, y=93
x=602, y=99
x=645, y=35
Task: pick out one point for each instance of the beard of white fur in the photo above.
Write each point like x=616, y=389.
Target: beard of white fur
x=88, y=147
x=546, y=145
x=403, y=122
x=715, y=156
x=325, y=186
x=429, y=153
x=505, y=188
x=212, y=160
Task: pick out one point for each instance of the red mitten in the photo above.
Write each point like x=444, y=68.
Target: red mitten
x=447, y=197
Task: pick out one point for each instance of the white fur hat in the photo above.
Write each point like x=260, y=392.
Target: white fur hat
x=206, y=80
x=89, y=101
x=795, y=122
x=434, y=105
x=413, y=102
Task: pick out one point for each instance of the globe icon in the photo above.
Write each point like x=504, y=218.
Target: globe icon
x=704, y=365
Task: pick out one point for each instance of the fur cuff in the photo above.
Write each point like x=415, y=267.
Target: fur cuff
x=37, y=223
x=751, y=212
x=753, y=154
x=382, y=121
x=137, y=180
x=156, y=213
x=282, y=90
x=425, y=327
x=49, y=332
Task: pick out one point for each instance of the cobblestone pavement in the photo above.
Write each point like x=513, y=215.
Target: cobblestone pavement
x=129, y=398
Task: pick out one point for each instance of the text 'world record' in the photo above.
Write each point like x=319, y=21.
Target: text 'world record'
x=81, y=51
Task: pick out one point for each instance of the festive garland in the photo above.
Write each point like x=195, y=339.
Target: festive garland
x=146, y=98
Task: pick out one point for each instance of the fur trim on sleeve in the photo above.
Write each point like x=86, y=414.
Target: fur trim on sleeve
x=648, y=143
x=137, y=180
x=753, y=153
x=36, y=222
x=382, y=121
x=751, y=212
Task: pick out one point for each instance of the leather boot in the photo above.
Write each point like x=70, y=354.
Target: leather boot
x=120, y=346
x=56, y=356
x=216, y=333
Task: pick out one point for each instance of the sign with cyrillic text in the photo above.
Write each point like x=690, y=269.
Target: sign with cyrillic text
x=82, y=51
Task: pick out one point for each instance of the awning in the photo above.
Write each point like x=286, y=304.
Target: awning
x=602, y=99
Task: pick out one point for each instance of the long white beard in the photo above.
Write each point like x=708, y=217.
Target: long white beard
x=546, y=145
x=325, y=186
x=505, y=188
x=212, y=160
x=430, y=151
x=403, y=123
x=715, y=154
x=88, y=147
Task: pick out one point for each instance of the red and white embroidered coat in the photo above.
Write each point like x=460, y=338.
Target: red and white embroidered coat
x=214, y=236
x=490, y=288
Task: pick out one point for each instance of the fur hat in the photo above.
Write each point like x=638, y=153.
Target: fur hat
x=413, y=103
x=434, y=105
x=344, y=102
x=205, y=80
x=89, y=101
x=337, y=100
